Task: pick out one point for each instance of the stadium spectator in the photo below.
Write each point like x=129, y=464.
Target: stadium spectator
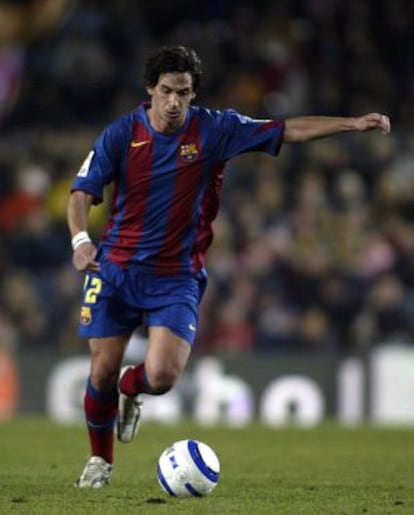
x=21, y=22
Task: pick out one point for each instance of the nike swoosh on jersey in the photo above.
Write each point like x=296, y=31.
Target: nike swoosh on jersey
x=135, y=144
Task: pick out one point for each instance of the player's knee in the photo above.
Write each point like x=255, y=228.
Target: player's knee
x=161, y=380
x=104, y=378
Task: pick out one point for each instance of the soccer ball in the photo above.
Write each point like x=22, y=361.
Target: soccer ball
x=188, y=468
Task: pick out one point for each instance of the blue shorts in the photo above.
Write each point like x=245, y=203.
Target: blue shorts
x=116, y=302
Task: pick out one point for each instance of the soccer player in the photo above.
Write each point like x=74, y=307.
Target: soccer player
x=165, y=161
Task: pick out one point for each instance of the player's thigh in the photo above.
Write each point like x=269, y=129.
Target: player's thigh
x=167, y=353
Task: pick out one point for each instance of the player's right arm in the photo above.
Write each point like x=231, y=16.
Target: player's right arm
x=84, y=251
x=87, y=188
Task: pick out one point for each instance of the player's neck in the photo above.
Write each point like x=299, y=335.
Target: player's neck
x=164, y=126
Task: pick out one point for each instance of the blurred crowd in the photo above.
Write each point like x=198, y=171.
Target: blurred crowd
x=314, y=250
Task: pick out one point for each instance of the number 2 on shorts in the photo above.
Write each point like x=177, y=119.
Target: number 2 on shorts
x=92, y=287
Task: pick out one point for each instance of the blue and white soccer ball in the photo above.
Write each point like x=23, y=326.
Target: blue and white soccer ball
x=188, y=468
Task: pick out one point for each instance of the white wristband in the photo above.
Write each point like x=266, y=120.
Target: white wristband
x=78, y=239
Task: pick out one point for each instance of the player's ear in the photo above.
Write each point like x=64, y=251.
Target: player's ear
x=150, y=91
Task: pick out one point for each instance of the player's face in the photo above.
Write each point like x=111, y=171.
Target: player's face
x=170, y=100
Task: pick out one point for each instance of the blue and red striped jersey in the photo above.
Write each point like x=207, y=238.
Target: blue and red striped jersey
x=167, y=186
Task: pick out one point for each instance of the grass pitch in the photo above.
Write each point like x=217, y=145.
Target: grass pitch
x=327, y=470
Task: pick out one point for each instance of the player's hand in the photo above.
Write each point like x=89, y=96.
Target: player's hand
x=372, y=121
x=84, y=257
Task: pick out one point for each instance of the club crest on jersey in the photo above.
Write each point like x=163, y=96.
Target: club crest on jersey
x=85, y=315
x=189, y=152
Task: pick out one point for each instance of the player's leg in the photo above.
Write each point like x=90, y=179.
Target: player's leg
x=107, y=321
x=172, y=329
x=101, y=408
x=165, y=360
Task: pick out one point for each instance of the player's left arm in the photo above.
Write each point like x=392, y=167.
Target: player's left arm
x=306, y=128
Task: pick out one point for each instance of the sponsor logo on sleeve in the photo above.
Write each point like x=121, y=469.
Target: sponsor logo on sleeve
x=84, y=169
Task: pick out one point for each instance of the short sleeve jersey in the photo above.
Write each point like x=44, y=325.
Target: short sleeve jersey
x=166, y=187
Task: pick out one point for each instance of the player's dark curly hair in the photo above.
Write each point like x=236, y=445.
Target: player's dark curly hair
x=169, y=59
